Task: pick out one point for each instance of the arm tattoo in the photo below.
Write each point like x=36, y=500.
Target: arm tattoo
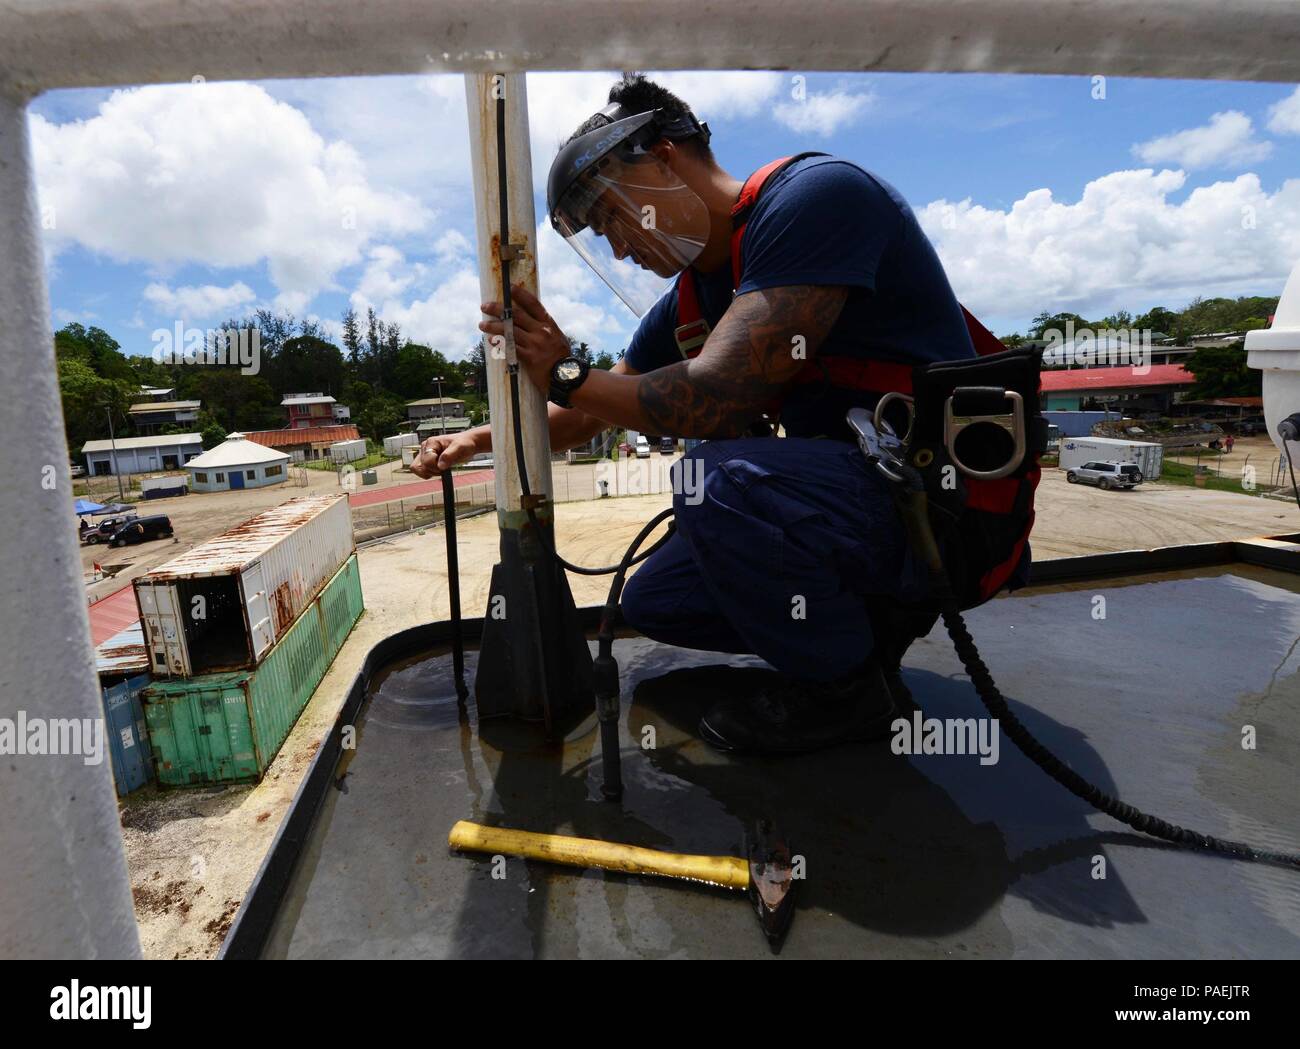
x=748, y=360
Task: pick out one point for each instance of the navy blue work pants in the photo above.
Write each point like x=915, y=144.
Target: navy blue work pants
x=780, y=543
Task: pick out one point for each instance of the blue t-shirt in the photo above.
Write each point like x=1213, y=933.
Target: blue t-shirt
x=827, y=221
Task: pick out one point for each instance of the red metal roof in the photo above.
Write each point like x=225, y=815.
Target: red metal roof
x=304, y=435
x=1126, y=378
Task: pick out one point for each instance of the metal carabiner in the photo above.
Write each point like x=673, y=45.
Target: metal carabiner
x=874, y=448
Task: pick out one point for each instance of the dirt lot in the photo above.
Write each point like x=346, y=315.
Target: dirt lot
x=193, y=854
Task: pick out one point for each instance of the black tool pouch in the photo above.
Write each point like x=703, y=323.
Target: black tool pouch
x=977, y=435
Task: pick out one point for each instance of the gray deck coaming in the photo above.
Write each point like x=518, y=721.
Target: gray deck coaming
x=494, y=921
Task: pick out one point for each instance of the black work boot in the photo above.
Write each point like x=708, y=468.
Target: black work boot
x=793, y=717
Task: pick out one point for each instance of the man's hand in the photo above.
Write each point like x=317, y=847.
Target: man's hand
x=441, y=453
x=538, y=339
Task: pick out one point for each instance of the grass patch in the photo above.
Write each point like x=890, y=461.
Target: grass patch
x=366, y=463
x=1185, y=474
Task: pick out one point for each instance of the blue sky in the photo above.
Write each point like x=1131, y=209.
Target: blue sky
x=197, y=202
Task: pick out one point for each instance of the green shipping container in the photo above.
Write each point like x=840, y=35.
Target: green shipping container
x=227, y=728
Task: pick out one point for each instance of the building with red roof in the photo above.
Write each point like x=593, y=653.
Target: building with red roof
x=304, y=442
x=1128, y=389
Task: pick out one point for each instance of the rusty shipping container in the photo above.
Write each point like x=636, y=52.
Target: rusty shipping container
x=227, y=728
x=221, y=606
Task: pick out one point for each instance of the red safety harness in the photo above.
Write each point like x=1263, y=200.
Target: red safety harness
x=1000, y=511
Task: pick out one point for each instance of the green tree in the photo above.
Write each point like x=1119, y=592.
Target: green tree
x=1221, y=371
x=1055, y=321
x=211, y=431
x=87, y=398
x=304, y=363
x=1157, y=319
x=351, y=336
x=95, y=348
x=381, y=416
x=416, y=367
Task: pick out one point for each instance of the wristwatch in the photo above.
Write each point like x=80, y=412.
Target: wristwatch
x=566, y=376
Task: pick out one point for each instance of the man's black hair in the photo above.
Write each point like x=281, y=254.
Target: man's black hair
x=636, y=94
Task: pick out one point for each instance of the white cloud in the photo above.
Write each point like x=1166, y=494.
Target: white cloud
x=1124, y=241
x=452, y=246
x=191, y=303
x=1284, y=116
x=822, y=113
x=412, y=130
x=387, y=276
x=1228, y=140
x=445, y=318
x=218, y=173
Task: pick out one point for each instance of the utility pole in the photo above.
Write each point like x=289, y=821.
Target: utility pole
x=534, y=662
x=112, y=444
x=442, y=425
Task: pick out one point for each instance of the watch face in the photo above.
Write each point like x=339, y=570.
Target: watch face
x=567, y=371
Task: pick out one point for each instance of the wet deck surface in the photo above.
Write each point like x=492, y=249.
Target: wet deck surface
x=907, y=856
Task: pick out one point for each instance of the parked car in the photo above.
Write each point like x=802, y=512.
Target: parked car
x=1106, y=475
x=102, y=531
x=1248, y=427
x=77, y=470
x=142, y=529
x=642, y=447
x=667, y=445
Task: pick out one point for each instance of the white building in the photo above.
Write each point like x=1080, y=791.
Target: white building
x=137, y=455
x=237, y=463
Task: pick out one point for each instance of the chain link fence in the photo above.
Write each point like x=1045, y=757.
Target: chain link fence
x=579, y=482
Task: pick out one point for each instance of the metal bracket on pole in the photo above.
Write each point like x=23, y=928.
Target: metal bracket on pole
x=534, y=662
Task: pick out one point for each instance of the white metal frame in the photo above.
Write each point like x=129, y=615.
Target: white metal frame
x=65, y=887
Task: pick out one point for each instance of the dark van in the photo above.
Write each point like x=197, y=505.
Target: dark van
x=667, y=445
x=142, y=529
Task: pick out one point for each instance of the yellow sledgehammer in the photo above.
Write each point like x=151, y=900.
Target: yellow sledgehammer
x=767, y=875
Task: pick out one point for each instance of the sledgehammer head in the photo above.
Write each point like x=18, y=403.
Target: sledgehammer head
x=771, y=881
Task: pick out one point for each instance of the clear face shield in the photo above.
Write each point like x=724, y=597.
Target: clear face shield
x=634, y=222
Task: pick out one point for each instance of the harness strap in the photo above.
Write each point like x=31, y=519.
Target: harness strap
x=692, y=329
x=873, y=376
